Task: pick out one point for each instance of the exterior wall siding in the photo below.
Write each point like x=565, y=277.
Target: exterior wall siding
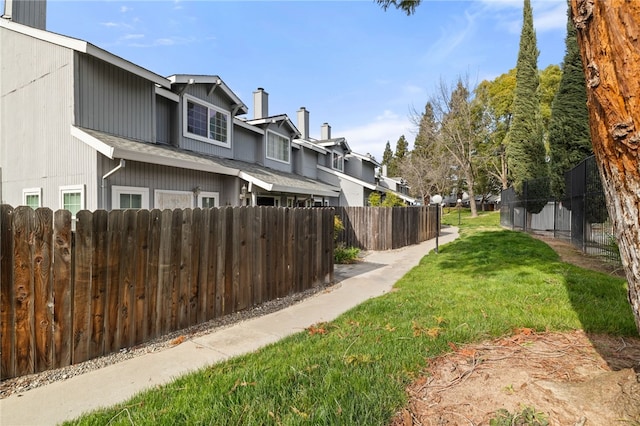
x=36, y=87
x=113, y=100
x=310, y=160
x=217, y=98
x=29, y=12
x=166, y=120
x=247, y=145
x=153, y=176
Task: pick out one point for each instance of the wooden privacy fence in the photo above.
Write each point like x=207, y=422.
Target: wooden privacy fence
x=125, y=277
x=385, y=228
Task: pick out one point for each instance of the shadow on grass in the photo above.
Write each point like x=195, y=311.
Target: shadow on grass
x=599, y=300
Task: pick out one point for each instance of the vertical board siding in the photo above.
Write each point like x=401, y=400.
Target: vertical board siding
x=125, y=277
x=385, y=228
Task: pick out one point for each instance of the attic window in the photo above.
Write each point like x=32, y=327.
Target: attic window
x=337, y=161
x=206, y=122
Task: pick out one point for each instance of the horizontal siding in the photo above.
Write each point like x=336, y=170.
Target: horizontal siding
x=36, y=148
x=113, y=100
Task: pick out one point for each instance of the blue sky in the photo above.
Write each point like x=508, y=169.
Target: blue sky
x=349, y=63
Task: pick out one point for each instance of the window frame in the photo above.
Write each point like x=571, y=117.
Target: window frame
x=205, y=194
x=288, y=150
x=185, y=121
x=72, y=189
x=117, y=190
x=340, y=158
x=32, y=191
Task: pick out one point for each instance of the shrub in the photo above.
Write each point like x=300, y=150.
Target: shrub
x=343, y=254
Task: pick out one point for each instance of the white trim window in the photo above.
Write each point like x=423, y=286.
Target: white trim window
x=337, y=161
x=207, y=200
x=167, y=199
x=72, y=198
x=206, y=122
x=129, y=197
x=278, y=147
x=290, y=202
x=32, y=197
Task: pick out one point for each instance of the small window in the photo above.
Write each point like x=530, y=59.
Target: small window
x=129, y=197
x=278, y=147
x=32, y=197
x=206, y=122
x=290, y=202
x=207, y=200
x=337, y=161
x=72, y=198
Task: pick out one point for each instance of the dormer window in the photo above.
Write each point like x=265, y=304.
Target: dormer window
x=337, y=161
x=206, y=122
x=278, y=147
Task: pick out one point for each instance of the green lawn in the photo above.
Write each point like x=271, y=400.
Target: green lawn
x=354, y=370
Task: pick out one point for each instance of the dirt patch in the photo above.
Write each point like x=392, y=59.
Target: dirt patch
x=569, y=378
x=562, y=378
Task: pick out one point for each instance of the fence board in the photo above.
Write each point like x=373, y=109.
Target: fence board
x=114, y=241
x=7, y=302
x=99, y=283
x=140, y=306
x=184, y=284
x=82, y=288
x=153, y=282
x=124, y=277
x=62, y=289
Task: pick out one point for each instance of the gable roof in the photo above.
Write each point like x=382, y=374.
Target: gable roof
x=87, y=48
x=367, y=157
x=270, y=180
x=281, y=119
x=213, y=81
x=328, y=143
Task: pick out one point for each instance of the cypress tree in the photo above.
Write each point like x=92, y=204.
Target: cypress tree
x=525, y=150
x=569, y=134
x=387, y=158
x=427, y=132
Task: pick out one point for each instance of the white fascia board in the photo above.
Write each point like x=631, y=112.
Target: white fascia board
x=311, y=146
x=260, y=183
x=98, y=145
x=305, y=191
x=208, y=79
x=365, y=158
x=57, y=39
x=167, y=94
x=347, y=177
x=85, y=47
x=127, y=66
x=145, y=157
x=247, y=126
x=267, y=120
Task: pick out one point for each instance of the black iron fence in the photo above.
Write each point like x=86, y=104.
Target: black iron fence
x=581, y=217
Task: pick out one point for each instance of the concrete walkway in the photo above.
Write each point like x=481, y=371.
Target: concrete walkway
x=68, y=399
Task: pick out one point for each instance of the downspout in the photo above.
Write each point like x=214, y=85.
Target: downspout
x=104, y=181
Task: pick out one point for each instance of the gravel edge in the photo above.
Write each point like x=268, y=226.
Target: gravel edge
x=25, y=383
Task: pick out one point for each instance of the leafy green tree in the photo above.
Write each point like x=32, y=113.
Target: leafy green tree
x=495, y=100
x=526, y=156
x=392, y=200
x=569, y=134
x=375, y=199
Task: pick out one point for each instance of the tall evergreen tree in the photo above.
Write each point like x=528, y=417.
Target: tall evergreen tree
x=427, y=131
x=569, y=134
x=402, y=150
x=387, y=158
x=525, y=148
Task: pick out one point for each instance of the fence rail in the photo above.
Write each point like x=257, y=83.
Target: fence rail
x=385, y=228
x=124, y=277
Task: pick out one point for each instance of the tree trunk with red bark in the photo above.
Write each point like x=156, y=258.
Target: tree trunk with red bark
x=609, y=39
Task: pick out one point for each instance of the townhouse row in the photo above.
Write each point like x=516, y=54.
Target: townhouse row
x=81, y=128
